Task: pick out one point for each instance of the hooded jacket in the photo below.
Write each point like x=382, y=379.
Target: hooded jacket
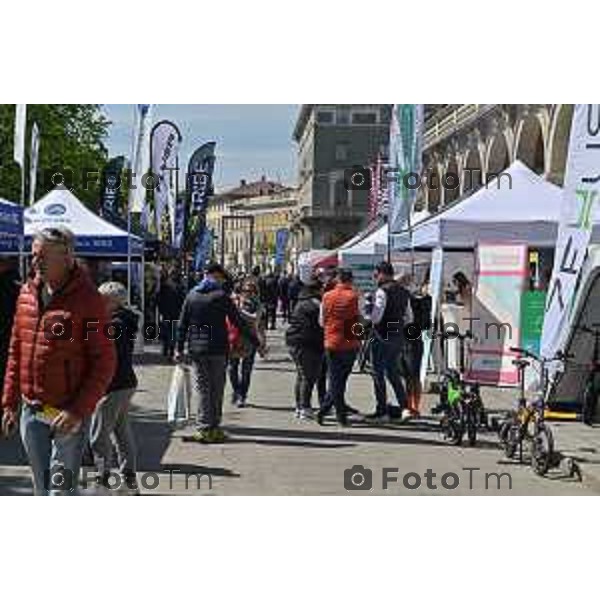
x=66, y=366
x=304, y=330
x=202, y=322
x=125, y=323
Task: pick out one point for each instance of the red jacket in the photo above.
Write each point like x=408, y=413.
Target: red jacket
x=340, y=312
x=69, y=370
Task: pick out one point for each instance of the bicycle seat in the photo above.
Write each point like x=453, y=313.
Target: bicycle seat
x=521, y=363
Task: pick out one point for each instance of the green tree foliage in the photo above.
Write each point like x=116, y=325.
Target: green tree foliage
x=71, y=138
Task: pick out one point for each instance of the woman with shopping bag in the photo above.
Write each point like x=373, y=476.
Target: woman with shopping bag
x=242, y=352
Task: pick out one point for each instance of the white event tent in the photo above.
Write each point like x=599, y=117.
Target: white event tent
x=93, y=235
x=522, y=209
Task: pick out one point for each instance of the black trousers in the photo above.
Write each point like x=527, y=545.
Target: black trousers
x=339, y=368
x=308, y=369
x=271, y=310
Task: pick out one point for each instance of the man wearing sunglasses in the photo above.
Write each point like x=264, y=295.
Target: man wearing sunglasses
x=60, y=362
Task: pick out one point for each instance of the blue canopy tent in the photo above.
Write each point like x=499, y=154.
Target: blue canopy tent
x=11, y=227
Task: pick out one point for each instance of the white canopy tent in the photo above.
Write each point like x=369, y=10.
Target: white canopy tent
x=377, y=242
x=93, y=235
x=524, y=209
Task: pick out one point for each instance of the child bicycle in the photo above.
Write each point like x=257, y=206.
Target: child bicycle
x=527, y=423
x=460, y=402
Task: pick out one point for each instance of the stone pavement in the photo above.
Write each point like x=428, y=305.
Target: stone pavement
x=271, y=453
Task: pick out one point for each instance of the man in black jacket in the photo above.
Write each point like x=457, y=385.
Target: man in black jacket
x=170, y=300
x=304, y=338
x=203, y=326
x=390, y=315
x=271, y=295
x=9, y=291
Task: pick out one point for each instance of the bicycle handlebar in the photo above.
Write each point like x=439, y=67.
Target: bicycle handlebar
x=560, y=355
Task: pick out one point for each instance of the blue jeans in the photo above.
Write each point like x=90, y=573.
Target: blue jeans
x=49, y=454
x=386, y=358
x=241, y=385
x=339, y=368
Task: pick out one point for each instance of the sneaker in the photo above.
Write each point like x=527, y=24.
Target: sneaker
x=378, y=418
x=342, y=420
x=297, y=412
x=218, y=435
x=234, y=399
x=204, y=436
x=306, y=414
x=128, y=487
x=350, y=410
x=100, y=489
x=406, y=415
x=242, y=403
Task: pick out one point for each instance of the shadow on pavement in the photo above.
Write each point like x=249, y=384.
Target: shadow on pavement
x=281, y=369
x=184, y=469
x=347, y=435
x=12, y=454
x=152, y=435
x=151, y=359
x=292, y=443
x=288, y=409
x=15, y=485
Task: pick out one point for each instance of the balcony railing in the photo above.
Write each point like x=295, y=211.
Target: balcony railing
x=439, y=128
x=309, y=212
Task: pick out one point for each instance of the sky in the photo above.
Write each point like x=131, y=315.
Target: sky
x=252, y=139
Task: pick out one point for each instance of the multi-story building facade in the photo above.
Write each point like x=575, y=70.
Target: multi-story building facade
x=254, y=212
x=465, y=146
x=478, y=141
x=332, y=138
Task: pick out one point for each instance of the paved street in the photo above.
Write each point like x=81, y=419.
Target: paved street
x=270, y=453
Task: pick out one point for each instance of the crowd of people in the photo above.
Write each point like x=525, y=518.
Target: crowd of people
x=67, y=352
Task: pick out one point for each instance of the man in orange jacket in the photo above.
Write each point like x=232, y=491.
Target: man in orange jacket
x=339, y=315
x=61, y=361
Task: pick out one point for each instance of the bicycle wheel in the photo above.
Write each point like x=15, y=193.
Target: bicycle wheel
x=452, y=430
x=509, y=433
x=542, y=449
x=471, y=423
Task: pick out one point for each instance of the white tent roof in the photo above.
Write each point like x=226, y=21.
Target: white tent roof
x=93, y=235
x=526, y=210
x=378, y=238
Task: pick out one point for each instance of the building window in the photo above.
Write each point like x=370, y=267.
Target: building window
x=341, y=151
x=361, y=118
x=343, y=115
x=324, y=117
x=340, y=200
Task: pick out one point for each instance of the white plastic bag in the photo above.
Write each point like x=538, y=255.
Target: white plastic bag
x=178, y=399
